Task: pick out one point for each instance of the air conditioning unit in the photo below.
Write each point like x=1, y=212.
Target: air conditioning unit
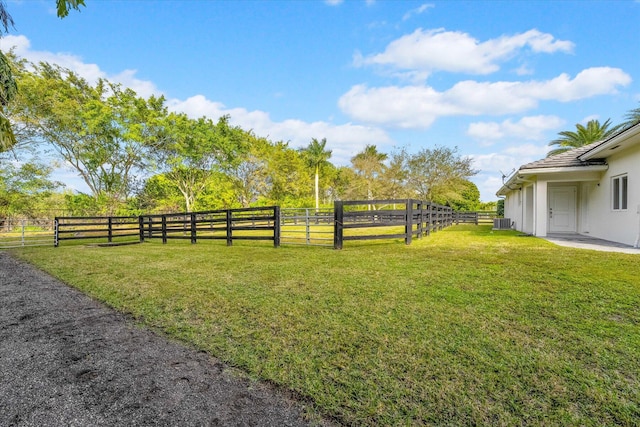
x=502, y=223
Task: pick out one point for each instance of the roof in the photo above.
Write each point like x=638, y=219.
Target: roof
x=625, y=138
x=567, y=159
x=590, y=157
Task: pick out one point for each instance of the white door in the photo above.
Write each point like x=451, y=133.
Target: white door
x=562, y=209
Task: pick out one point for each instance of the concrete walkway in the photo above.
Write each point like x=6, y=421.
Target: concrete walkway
x=587, y=242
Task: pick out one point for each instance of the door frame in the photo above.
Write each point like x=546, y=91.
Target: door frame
x=573, y=209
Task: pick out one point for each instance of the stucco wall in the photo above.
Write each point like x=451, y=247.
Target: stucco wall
x=513, y=208
x=605, y=223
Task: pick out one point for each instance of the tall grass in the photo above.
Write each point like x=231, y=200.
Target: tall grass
x=466, y=326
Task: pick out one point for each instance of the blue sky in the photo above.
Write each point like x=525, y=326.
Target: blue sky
x=497, y=79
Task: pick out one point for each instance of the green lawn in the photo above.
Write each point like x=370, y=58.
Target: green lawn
x=466, y=326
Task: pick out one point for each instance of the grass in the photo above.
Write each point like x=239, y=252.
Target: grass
x=466, y=326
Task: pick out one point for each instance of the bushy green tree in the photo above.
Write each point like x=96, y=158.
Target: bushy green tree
x=439, y=175
x=368, y=166
x=26, y=189
x=468, y=198
x=102, y=131
x=8, y=85
x=191, y=151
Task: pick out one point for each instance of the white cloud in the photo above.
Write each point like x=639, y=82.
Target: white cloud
x=510, y=158
x=492, y=165
x=417, y=11
x=91, y=72
x=589, y=118
x=333, y=2
x=345, y=140
x=527, y=128
x=418, y=106
x=524, y=70
x=454, y=51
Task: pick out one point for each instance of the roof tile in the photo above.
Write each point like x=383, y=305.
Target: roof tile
x=566, y=159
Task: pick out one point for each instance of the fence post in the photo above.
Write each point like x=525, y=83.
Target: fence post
x=427, y=219
x=110, y=229
x=408, y=228
x=276, y=226
x=338, y=225
x=229, y=228
x=164, y=229
x=141, y=228
x=193, y=228
x=22, y=223
x=307, y=225
x=56, y=242
x=420, y=218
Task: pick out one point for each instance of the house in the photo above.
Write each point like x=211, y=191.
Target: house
x=592, y=190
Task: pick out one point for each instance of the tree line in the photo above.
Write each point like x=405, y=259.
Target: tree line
x=135, y=155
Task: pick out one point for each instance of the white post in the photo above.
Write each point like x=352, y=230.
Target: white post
x=637, y=243
x=307, y=226
x=541, y=214
x=23, y=231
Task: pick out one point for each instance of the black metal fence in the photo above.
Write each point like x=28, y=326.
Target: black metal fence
x=350, y=220
x=228, y=224
x=112, y=228
x=417, y=218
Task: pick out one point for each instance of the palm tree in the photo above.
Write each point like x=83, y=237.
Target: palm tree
x=633, y=117
x=316, y=156
x=592, y=132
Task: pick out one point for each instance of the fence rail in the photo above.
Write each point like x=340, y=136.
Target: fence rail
x=95, y=228
x=261, y=223
x=417, y=218
x=307, y=226
x=348, y=220
x=19, y=233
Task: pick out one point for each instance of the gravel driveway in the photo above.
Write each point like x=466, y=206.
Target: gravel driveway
x=66, y=359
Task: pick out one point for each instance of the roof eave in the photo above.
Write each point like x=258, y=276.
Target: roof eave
x=520, y=176
x=597, y=151
x=561, y=169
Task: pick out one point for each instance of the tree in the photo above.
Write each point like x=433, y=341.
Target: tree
x=439, y=174
x=25, y=189
x=368, y=166
x=64, y=6
x=102, y=131
x=8, y=91
x=583, y=135
x=394, y=176
x=288, y=182
x=8, y=86
x=632, y=118
x=159, y=195
x=316, y=156
x=469, y=198
x=191, y=151
x=248, y=174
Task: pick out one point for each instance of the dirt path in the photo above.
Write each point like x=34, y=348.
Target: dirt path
x=68, y=360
